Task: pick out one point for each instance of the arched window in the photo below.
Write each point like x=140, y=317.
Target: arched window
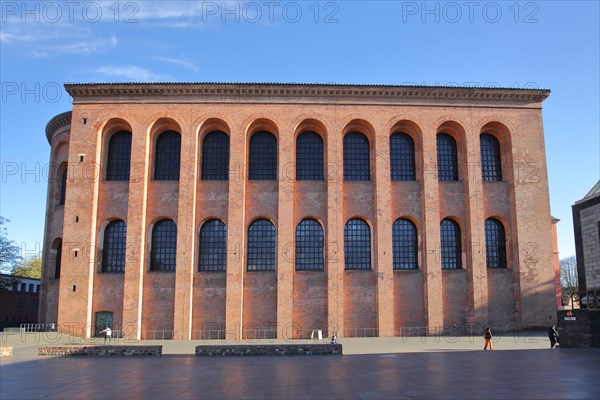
x=309, y=245
x=451, y=244
x=63, y=187
x=261, y=246
x=113, y=250
x=212, y=246
x=263, y=157
x=58, y=258
x=491, y=165
x=357, y=244
x=163, y=254
x=447, y=158
x=402, y=157
x=405, y=244
x=215, y=157
x=119, y=157
x=309, y=157
x=167, y=154
x=356, y=157
x=495, y=244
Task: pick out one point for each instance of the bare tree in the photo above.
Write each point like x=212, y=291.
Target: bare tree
x=568, y=279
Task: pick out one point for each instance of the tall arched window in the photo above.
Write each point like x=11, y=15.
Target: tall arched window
x=405, y=244
x=215, y=157
x=309, y=157
x=163, y=253
x=261, y=246
x=357, y=164
x=119, y=157
x=447, y=158
x=451, y=244
x=309, y=245
x=491, y=165
x=63, y=188
x=167, y=155
x=113, y=250
x=212, y=246
x=357, y=244
x=495, y=244
x=402, y=157
x=58, y=258
x=263, y=157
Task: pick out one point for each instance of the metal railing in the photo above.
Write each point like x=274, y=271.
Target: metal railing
x=361, y=332
x=51, y=327
x=209, y=334
x=259, y=333
x=590, y=299
x=157, y=334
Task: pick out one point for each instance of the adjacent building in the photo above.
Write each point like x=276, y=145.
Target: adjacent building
x=203, y=210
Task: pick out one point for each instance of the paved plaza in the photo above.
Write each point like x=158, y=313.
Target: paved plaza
x=520, y=367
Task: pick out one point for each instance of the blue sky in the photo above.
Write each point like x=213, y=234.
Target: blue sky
x=543, y=44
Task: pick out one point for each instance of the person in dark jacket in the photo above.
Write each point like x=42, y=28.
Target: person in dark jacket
x=487, y=335
x=553, y=336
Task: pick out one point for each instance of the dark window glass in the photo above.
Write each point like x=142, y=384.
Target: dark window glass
x=261, y=246
x=495, y=244
x=263, y=157
x=166, y=156
x=447, y=158
x=119, y=157
x=213, y=246
x=215, y=157
x=356, y=157
x=309, y=245
x=163, y=255
x=451, y=244
x=491, y=166
x=357, y=244
x=63, y=187
x=115, y=243
x=405, y=244
x=402, y=157
x=58, y=260
x=309, y=157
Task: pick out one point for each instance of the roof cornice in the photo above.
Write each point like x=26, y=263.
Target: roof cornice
x=57, y=122
x=298, y=93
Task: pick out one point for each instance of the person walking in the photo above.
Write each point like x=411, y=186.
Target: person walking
x=487, y=335
x=553, y=336
x=108, y=335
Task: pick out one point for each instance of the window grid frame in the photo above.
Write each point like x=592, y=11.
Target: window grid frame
x=405, y=245
x=495, y=244
x=261, y=249
x=491, y=158
x=63, y=188
x=215, y=156
x=447, y=157
x=163, y=251
x=114, y=247
x=262, y=165
x=402, y=157
x=450, y=244
x=167, y=156
x=212, y=246
x=118, y=158
x=357, y=245
x=310, y=246
x=309, y=157
x=357, y=157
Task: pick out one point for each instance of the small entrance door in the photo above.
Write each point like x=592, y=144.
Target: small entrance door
x=103, y=319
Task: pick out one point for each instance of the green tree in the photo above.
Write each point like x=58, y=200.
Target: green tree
x=31, y=267
x=568, y=280
x=9, y=251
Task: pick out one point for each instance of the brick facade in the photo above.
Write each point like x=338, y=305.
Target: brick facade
x=285, y=302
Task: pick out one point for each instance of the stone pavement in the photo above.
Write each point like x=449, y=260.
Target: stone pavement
x=520, y=367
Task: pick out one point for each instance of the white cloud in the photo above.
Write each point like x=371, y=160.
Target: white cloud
x=178, y=61
x=131, y=73
x=86, y=47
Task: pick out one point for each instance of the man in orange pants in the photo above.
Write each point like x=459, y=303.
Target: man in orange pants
x=487, y=335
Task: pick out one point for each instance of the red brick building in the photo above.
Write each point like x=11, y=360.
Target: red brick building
x=193, y=210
